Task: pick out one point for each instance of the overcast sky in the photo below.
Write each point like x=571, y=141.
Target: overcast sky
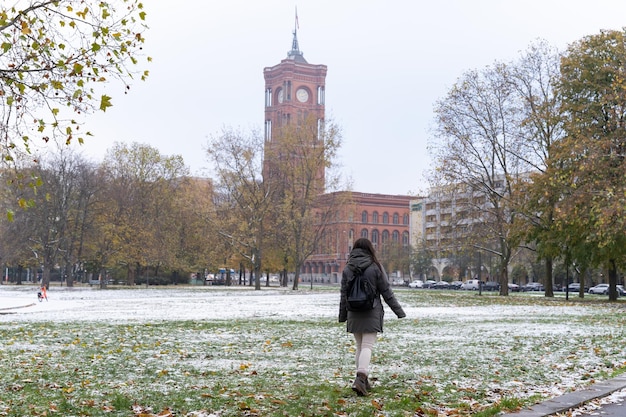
x=388, y=62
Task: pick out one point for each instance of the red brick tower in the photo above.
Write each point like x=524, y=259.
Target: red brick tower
x=294, y=93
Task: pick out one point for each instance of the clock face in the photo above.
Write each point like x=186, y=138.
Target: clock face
x=281, y=95
x=302, y=95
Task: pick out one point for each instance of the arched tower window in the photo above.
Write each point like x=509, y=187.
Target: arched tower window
x=364, y=217
x=385, y=218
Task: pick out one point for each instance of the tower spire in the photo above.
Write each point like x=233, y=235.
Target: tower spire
x=295, y=52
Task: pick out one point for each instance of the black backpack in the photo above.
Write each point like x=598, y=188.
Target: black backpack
x=360, y=294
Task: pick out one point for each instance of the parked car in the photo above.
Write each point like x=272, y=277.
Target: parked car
x=455, y=285
x=599, y=289
x=440, y=285
x=533, y=286
x=513, y=287
x=399, y=282
x=604, y=289
x=575, y=287
x=491, y=286
x=471, y=284
x=429, y=283
x=418, y=283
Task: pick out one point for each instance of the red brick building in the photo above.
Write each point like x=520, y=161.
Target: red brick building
x=382, y=218
x=294, y=91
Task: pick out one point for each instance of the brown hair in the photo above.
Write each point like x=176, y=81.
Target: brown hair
x=366, y=245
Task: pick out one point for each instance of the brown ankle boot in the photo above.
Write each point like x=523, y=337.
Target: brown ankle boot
x=360, y=384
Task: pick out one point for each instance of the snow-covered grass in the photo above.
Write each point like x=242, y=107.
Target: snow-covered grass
x=207, y=351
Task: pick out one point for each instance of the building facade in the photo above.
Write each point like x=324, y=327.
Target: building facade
x=444, y=222
x=382, y=218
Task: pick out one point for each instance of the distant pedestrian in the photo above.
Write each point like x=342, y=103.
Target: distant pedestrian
x=365, y=325
x=42, y=294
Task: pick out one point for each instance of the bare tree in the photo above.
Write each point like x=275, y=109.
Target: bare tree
x=534, y=78
x=478, y=128
x=243, y=200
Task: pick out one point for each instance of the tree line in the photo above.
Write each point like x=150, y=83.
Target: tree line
x=542, y=138
x=128, y=214
x=139, y=215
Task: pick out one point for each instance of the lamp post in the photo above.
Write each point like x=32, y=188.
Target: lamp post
x=480, y=278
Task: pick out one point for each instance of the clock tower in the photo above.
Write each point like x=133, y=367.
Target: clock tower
x=294, y=95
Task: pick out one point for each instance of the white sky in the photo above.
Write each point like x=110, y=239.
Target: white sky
x=388, y=62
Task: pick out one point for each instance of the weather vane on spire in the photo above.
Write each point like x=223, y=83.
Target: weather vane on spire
x=295, y=52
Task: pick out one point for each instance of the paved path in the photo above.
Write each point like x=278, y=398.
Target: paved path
x=10, y=305
x=609, y=410
x=612, y=406
x=575, y=399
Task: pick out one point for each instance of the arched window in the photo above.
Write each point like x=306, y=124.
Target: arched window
x=375, y=217
x=405, y=219
x=375, y=237
x=385, y=218
x=396, y=218
x=395, y=236
x=385, y=236
x=405, y=239
x=364, y=233
x=364, y=217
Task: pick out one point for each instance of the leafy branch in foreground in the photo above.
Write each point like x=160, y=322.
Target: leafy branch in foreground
x=54, y=57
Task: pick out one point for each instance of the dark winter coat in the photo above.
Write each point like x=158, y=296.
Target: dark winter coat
x=366, y=321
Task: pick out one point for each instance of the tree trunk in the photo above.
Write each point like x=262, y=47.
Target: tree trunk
x=504, y=280
x=612, y=280
x=548, y=284
x=581, y=280
x=296, y=278
x=257, y=277
x=504, y=265
x=18, y=281
x=257, y=269
x=130, y=278
x=45, y=277
x=69, y=275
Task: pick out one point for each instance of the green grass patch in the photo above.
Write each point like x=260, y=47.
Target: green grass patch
x=457, y=355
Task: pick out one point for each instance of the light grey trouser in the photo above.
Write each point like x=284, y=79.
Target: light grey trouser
x=364, y=345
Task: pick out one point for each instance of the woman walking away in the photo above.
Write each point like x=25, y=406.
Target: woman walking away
x=365, y=324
